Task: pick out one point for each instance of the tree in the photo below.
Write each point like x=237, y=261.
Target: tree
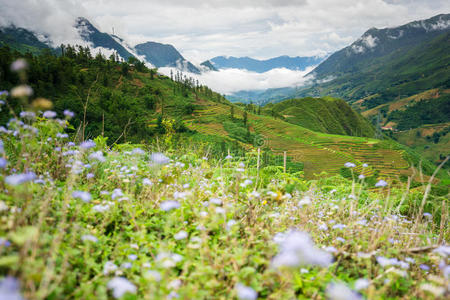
x=245, y=118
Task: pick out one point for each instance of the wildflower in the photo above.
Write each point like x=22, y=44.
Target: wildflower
x=10, y=289
x=68, y=114
x=4, y=93
x=87, y=144
x=245, y=292
x=323, y=227
x=19, y=65
x=330, y=249
x=306, y=200
x=220, y=210
x=427, y=215
x=90, y=175
x=181, y=235
x=21, y=91
x=159, y=158
x=342, y=240
x=62, y=135
x=442, y=250
x=339, y=226
x=169, y=205
x=17, y=179
x=132, y=257
x=147, y=181
x=362, y=284
x=49, y=114
x=339, y=291
x=138, y=151
x=297, y=248
x=83, y=196
x=126, y=265
x=246, y=183
x=383, y=261
x=27, y=115
x=174, y=284
x=228, y=156
x=381, y=183
x=361, y=176
x=365, y=165
x=2, y=147
x=100, y=208
x=116, y=193
x=215, y=201
x=153, y=275
x=230, y=224
x=109, y=267
x=3, y=163
x=435, y=290
x=120, y=286
x=88, y=237
x=349, y=165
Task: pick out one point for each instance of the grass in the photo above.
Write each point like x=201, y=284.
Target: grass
x=184, y=225
x=318, y=151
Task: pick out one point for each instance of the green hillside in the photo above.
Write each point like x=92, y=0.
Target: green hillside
x=21, y=40
x=327, y=115
x=131, y=104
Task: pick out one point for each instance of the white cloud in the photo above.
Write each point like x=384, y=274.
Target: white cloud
x=204, y=29
x=228, y=81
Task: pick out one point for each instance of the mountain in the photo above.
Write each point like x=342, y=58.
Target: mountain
x=208, y=66
x=91, y=34
x=327, y=115
x=383, y=65
x=164, y=55
x=21, y=39
x=261, y=66
x=388, y=63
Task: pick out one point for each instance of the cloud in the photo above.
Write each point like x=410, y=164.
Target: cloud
x=228, y=81
x=204, y=29
x=52, y=18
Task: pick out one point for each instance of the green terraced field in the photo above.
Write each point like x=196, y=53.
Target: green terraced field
x=319, y=152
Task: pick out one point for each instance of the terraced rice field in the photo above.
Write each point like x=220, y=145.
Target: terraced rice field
x=319, y=152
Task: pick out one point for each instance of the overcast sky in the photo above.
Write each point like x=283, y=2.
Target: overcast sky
x=204, y=29
x=201, y=30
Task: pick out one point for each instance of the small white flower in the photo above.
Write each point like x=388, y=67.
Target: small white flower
x=83, y=196
x=349, y=165
x=169, y=205
x=339, y=291
x=381, y=183
x=153, y=275
x=245, y=292
x=88, y=237
x=97, y=155
x=362, y=284
x=181, y=235
x=49, y=114
x=19, y=65
x=17, y=179
x=147, y=181
x=120, y=286
x=87, y=144
x=361, y=176
x=159, y=158
x=109, y=267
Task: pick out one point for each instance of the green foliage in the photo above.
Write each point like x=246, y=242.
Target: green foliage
x=326, y=115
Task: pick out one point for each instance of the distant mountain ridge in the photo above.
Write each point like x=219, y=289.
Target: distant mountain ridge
x=380, y=66
x=164, y=55
x=156, y=54
x=261, y=66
